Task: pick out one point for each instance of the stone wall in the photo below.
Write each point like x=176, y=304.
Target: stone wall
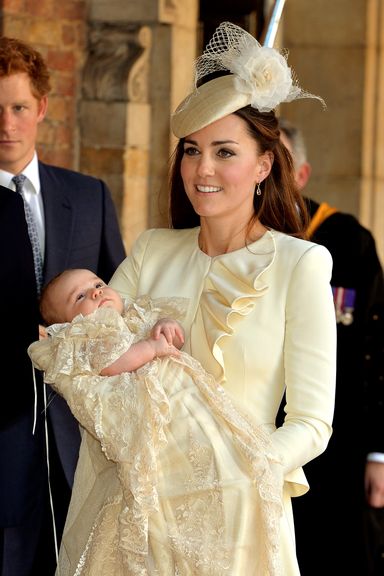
x=118, y=69
x=337, y=52
x=57, y=29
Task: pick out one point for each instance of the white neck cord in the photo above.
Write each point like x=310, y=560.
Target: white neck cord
x=47, y=450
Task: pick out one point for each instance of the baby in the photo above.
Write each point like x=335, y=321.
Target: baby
x=162, y=446
x=79, y=291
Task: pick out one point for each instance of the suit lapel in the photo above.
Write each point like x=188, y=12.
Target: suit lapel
x=59, y=220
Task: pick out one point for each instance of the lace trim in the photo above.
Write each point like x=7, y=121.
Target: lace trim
x=82, y=564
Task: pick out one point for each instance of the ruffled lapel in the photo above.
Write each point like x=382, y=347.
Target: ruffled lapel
x=235, y=283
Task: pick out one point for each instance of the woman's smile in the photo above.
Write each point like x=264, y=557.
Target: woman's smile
x=208, y=189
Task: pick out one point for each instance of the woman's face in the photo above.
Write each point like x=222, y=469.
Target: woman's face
x=221, y=167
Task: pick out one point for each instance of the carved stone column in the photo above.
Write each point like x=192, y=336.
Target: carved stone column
x=115, y=118
x=134, y=77
x=372, y=188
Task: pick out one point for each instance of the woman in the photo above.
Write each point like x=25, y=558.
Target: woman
x=260, y=316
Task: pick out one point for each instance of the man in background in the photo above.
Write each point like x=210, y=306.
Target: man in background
x=19, y=320
x=71, y=223
x=339, y=523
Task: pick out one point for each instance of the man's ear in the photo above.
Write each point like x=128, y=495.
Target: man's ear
x=303, y=174
x=42, y=108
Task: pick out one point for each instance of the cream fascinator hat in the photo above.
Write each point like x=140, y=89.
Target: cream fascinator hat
x=254, y=75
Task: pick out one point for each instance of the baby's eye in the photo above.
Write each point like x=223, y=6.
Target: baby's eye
x=80, y=296
x=100, y=285
x=225, y=153
x=191, y=151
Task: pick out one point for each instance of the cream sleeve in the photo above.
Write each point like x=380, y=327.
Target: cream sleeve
x=309, y=361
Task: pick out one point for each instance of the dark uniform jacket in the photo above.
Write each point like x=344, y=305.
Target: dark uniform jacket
x=336, y=497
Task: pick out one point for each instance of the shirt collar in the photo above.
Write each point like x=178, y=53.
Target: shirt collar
x=31, y=171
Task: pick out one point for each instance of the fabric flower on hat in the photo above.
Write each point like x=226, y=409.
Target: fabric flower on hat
x=264, y=74
x=261, y=72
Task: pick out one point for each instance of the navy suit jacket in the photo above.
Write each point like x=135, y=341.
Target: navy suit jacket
x=81, y=231
x=20, y=452
x=81, y=225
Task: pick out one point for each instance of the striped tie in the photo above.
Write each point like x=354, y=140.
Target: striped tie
x=19, y=180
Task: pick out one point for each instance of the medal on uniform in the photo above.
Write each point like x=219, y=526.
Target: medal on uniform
x=344, y=299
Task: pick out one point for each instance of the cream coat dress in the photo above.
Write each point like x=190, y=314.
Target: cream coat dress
x=261, y=320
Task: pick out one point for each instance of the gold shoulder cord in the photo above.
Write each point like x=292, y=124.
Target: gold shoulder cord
x=322, y=213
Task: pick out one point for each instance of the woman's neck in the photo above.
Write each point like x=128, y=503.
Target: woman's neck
x=215, y=241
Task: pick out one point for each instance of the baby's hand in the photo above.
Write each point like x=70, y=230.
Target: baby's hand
x=161, y=347
x=171, y=330
x=42, y=332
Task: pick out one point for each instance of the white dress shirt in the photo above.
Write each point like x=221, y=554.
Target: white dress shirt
x=32, y=195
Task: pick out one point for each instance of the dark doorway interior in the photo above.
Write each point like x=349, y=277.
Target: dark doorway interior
x=249, y=14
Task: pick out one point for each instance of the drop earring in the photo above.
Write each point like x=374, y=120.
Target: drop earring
x=258, y=189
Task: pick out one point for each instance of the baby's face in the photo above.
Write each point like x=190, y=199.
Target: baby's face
x=82, y=292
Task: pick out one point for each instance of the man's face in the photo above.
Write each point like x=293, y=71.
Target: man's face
x=20, y=114
x=302, y=171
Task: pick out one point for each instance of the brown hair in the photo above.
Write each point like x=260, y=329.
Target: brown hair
x=47, y=312
x=280, y=206
x=16, y=57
